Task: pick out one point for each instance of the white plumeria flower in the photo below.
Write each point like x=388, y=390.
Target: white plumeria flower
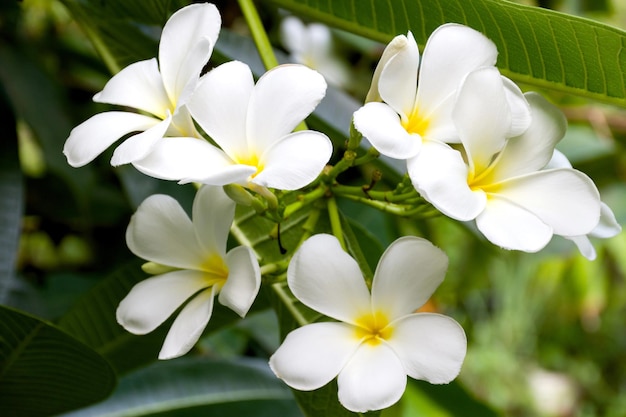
x=606, y=228
x=413, y=112
x=501, y=183
x=159, y=89
x=378, y=339
x=312, y=45
x=253, y=125
x=161, y=232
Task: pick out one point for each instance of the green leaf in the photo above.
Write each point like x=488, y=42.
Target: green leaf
x=536, y=46
x=199, y=387
x=44, y=371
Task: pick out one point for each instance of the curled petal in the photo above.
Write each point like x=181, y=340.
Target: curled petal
x=212, y=215
x=397, y=84
x=396, y=46
x=563, y=198
x=160, y=231
x=139, y=86
x=244, y=280
x=152, y=301
x=189, y=325
x=328, y=280
x=440, y=175
x=431, y=346
x=180, y=57
x=584, y=246
x=90, y=138
x=534, y=149
x=510, y=226
x=294, y=161
x=136, y=147
x=282, y=98
x=220, y=106
x=190, y=159
x=608, y=225
x=381, y=126
x=519, y=106
x=451, y=52
x=482, y=116
x=407, y=275
x=311, y=356
x=373, y=379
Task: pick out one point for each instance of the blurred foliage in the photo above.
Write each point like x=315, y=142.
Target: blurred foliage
x=546, y=332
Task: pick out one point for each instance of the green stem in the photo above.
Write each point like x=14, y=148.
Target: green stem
x=384, y=196
x=304, y=200
x=259, y=35
x=288, y=302
x=335, y=222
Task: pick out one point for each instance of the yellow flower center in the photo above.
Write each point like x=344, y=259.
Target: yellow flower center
x=415, y=123
x=373, y=328
x=215, y=269
x=251, y=159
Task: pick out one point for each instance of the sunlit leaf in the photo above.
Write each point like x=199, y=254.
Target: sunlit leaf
x=537, y=46
x=43, y=371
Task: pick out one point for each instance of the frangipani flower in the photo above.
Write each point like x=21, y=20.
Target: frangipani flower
x=501, y=183
x=195, y=252
x=312, y=45
x=252, y=124
x=607, y=226
x=378, y=339
x=159, y=89
x=412, y=113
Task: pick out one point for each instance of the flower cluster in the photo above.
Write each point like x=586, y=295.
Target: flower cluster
x=475, y=146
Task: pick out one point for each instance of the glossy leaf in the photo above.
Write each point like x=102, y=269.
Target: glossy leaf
x=536, y=46
x=44, y=371
x=198, y=387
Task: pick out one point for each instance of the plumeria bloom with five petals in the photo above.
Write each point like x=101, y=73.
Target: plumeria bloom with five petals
x=500, y=182
x=378, y=339
x=253, y=127
x=413, y=112
x=193, y=252
x=161, y=90
x=607, y=226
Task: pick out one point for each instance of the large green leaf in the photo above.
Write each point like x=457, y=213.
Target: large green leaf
x=199, y=387
x=44, y=371
x=537, y=46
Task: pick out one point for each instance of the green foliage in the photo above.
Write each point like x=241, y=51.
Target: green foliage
x=44, y=371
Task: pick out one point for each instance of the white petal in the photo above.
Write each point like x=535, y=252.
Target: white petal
x=138, y=146
x=191, y=159
x=150, y=302
x=535, y=147
x=328, y=280
x=90, y=138
x=440, y=175
x=281, y=99
x=558, y=160
x=482, y=116
x=294, y=161
x=452, y=51
x=397, y=45
x=397, y=84
x=431, y=346
x=584, y=246
x=563, y=198
x=519, y=106
x=407, y=275
x=180, y=58
x=373, y=379
x=212, y=215
x=244, y=280
x=188, y=326
x=311, y=356
x=381, y=126
x=140, y=86
x=220, y=106
x=292, y=34
x=608, y=225
x=510, y=226
x=160, y=231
